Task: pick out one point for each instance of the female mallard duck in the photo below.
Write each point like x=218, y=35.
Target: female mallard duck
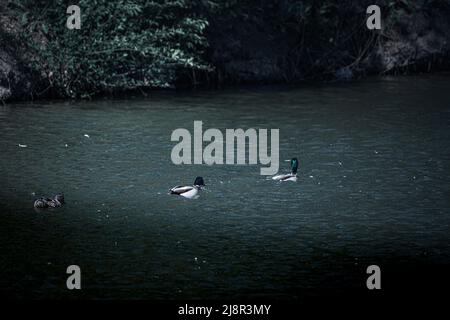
x=189, y=191
x=290, y=176
x=44, y=203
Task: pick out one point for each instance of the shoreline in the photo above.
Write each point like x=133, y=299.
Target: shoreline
x=190, y=91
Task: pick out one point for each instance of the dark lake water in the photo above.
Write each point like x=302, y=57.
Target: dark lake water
x=374, y=185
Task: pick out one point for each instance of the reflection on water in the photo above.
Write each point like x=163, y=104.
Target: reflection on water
x=373, y=183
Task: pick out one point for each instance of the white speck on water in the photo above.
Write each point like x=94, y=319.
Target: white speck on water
x=195, y=259
x=22, y=145
x=311, y=176
x=376, y=152
x=340, y=163
x=107, y=215
x=66, y=145
x=86, y=135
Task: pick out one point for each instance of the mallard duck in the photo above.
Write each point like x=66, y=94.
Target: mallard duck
x=189, y=191
x=43, y=203
x=290, y=176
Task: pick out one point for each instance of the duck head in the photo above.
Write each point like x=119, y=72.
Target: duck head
x=59, y=198
x=294, y=165
x=199, y=182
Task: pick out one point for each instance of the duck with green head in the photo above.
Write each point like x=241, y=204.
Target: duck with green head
x=290, y=176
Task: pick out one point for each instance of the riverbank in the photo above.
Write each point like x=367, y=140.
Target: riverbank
x=251, y=43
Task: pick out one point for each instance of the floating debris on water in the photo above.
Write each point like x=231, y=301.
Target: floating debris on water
x=86, y=135
x=22, y=145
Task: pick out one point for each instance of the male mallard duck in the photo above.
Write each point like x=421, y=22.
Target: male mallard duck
x=290, y=176
x=189, y=191
x=43, y=203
